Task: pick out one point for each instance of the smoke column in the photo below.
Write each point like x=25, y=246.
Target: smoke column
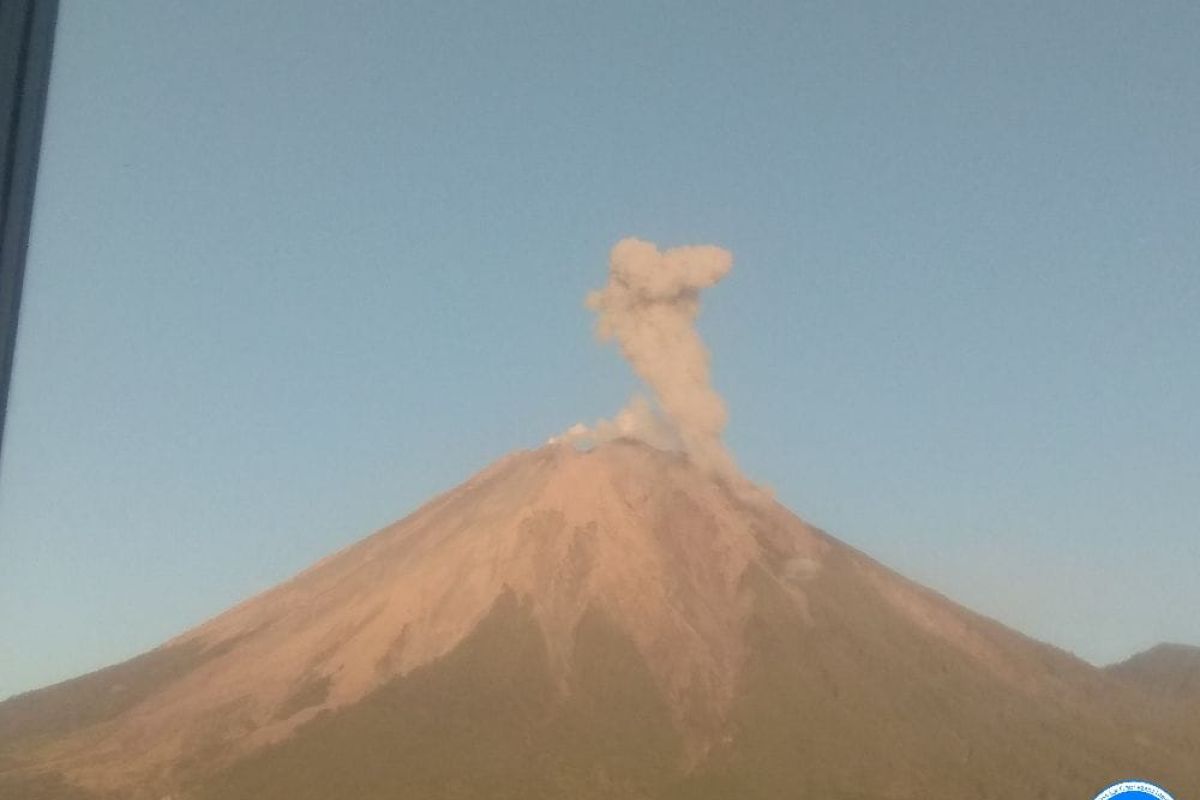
x=649, y=308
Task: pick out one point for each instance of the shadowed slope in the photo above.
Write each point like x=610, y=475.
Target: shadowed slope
x=486, y=720
x=856, y=706
x=1170, y=672
x=1167, y=680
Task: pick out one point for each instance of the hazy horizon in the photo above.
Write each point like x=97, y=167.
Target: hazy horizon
x=294, y=271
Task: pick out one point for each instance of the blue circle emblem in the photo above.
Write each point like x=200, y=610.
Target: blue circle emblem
x=1134, y=790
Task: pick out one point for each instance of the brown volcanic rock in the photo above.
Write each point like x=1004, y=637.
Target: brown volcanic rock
x=1167, y=679
x=612, y=623
x=1168, y=671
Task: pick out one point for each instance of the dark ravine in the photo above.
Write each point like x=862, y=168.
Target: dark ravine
x=618, y=588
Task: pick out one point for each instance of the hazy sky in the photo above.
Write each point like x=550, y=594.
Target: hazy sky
x=298, y=266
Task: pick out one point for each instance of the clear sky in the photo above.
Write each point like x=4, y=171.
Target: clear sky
x=298, y=266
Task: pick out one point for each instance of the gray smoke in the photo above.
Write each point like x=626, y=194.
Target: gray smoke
x=649, y=308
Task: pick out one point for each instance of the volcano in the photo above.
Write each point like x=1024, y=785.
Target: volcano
x=610, y=623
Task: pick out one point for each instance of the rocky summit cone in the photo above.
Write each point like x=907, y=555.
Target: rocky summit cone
x=614, y=623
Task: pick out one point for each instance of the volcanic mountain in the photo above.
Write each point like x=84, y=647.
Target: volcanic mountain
x=614, y=623
x=1168, y=677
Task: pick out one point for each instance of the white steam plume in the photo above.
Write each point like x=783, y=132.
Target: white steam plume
x=649, y=307
x=637, y=420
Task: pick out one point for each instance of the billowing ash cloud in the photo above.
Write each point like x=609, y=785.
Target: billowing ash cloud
x=649, y=308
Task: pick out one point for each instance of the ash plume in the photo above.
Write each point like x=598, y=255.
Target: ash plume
x=649, y=308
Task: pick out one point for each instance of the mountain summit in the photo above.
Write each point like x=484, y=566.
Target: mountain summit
x=611, y=623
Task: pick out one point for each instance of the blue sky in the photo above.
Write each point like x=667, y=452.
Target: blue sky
x=298, y=266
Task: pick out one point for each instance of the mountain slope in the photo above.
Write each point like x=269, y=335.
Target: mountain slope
x=612, y=623
x=1167, y=680
x=1170, y=672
